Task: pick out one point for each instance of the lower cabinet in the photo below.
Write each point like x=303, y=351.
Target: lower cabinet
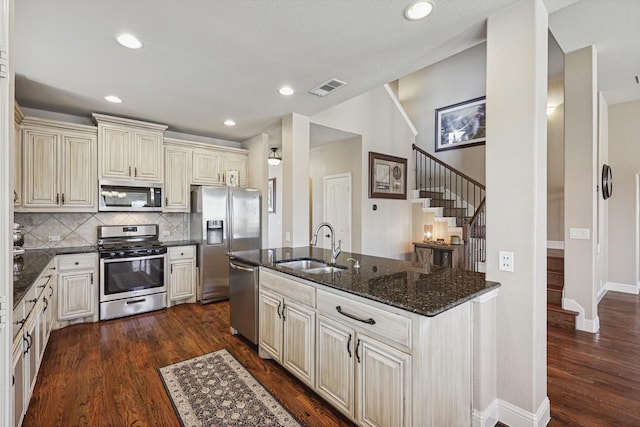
x=33, y=321
x=287, y=325
x=182, y=274
x=362, y=377
x=77, y=287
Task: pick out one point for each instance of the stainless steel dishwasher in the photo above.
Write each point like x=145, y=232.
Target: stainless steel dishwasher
x=243, y=299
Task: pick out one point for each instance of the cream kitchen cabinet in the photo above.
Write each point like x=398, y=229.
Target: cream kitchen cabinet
x=32, y=326
x=129, y=149
x=207, y=167
x=356, y=372
x=182, y=274
x=17, y=176
x=237, y=162
x=77, y=288
x=58, y=167
x=177, y=179
x=287, y=324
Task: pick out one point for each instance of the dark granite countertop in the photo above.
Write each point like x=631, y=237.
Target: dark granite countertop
x=426, y=290
x=28, y=266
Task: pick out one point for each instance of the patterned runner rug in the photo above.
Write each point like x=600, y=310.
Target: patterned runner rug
x=216, y=390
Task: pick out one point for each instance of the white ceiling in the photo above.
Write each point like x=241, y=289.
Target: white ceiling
x=206, y=61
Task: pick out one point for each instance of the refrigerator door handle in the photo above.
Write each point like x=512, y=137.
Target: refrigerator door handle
x=229, y=220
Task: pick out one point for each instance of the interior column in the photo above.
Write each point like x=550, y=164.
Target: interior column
x=516, y=177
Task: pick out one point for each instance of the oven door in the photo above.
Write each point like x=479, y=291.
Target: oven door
x=131, y=277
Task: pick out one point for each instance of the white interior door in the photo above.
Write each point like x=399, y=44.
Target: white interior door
x=337, y=209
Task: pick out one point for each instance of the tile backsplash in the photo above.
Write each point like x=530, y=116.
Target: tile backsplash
x=81, y=229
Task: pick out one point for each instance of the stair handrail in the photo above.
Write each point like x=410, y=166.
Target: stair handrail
x=474, y=218
x=456, y=171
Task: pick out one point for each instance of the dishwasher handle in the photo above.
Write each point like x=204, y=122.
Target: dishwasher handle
x=240, y=267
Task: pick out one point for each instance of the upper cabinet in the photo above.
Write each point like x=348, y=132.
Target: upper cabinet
x=129, y=149
x=195, y=163
x=17, y=175
x=58, y=167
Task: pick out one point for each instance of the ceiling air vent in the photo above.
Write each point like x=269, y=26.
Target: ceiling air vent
x=327, y=87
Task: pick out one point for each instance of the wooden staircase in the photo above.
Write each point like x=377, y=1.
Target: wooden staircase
x=556, y=315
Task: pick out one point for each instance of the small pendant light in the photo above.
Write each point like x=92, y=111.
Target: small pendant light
x=274, y=158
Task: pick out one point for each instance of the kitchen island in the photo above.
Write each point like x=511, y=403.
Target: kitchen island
x=388, y=343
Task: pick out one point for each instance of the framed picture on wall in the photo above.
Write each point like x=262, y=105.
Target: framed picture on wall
x=271, y=195
x=387, y=176
x=461, y=125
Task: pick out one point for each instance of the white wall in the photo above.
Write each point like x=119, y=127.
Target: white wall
x=555, y=162
x=456, y=79
x=624, y=155
x=516, y=170
x=580, y=194
x=386, y=231
x=275, y=218
x=332, y=159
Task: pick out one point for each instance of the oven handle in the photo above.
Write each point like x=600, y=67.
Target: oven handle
x=110, y=260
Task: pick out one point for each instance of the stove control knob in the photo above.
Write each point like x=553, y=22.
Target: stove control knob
x=112, y=254
x=121, y=253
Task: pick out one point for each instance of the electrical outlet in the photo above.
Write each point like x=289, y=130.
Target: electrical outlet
x=506, y=261
x=287, y=236
x=166, y=233
x=54, y=238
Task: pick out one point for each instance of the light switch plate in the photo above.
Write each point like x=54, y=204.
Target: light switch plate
x=579, y=233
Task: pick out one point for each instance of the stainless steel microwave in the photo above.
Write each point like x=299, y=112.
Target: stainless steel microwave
x=130, y=196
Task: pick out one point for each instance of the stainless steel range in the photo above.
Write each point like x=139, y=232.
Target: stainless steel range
x=132, y=270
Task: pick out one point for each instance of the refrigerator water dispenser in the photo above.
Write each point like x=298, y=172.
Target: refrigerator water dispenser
x=215, y=235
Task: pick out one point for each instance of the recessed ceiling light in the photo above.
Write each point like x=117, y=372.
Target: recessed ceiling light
x=229, y=122
x=418, y=10
x=129, y=40
x=286, y=91
x=113, y=98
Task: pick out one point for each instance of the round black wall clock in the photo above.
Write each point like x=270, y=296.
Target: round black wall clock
x=607, y=182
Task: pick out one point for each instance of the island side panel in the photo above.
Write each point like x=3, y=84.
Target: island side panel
x=443, y=367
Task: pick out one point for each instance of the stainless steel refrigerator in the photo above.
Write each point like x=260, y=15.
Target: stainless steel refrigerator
x=223, y=220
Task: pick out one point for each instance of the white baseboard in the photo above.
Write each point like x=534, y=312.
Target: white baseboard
x=555, y=244
x=515, y=416
x=486, y=418
x=601, y=293
x=622, y=287
x=582, y=323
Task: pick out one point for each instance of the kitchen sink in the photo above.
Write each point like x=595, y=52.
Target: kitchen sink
x=302, y=264
x=323, y=270
x=310, y=266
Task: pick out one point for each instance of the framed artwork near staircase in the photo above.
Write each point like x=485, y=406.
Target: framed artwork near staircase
x=387, y=176
x=461, y=125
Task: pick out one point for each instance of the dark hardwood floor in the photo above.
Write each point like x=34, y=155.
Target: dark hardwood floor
x=594, y=379
x=105, y=374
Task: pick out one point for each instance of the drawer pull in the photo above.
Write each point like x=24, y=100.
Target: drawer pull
x=368, y=321
x=136, y=301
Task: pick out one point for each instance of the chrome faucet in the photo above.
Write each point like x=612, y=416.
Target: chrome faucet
x=334, y=251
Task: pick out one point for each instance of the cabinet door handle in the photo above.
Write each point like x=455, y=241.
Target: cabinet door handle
x=368, y=321
x=28, y=344
x=284, y=319
x=278, y=309
x=357, y=347
x=57, y=198
x=92, y=278
x=46, y=304
x=349, y=346
x=135, y=172
x=166, y=201
x=218, y=177
x=50, y=291
x=129, y=170
x=171, y=268
x=63, y=198
x=15, y=196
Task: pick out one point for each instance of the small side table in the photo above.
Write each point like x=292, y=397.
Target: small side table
x=439, y=254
